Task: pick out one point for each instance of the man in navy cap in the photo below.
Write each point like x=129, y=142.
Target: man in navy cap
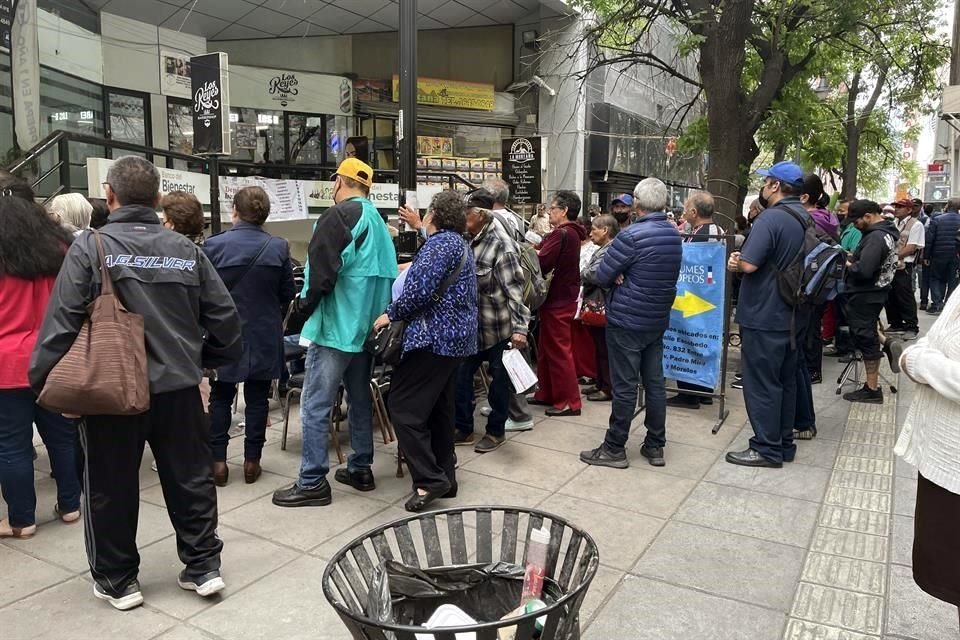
x=769, y=354
x=621, y=208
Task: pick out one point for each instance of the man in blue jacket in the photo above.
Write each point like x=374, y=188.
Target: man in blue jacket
x=770, y=356
x=641, y=268
x=941, y=254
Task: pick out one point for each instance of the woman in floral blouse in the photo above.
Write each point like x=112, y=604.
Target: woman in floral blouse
x=441, y=332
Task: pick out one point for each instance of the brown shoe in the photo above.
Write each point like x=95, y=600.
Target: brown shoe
x=251, y=471
x=221, y=474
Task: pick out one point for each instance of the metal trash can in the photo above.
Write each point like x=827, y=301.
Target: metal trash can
x=464, y=536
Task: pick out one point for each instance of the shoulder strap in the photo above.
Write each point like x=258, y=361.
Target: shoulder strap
x=246, y=269
x=442, y=289
x=106, y=283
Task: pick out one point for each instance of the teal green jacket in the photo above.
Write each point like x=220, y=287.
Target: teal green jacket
x=351, y=265
x=850, y=238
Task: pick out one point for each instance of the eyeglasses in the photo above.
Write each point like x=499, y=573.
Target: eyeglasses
x=555, y=206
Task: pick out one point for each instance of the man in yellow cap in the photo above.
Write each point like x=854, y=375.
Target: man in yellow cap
x=351, y=264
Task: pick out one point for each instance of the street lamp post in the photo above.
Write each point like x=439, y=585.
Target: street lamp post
x=407, y=125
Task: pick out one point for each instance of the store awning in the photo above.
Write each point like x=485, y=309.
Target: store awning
x=441, y=114
x=249, y=19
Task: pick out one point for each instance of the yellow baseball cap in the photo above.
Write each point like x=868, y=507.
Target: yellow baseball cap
x=357, y=170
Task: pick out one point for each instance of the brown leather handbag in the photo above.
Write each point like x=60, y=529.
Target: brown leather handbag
x=105, y=371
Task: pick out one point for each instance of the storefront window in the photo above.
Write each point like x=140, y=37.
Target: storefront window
x=128, y=119
x=257, y=136
x=305, y=138
x=472, y=151
x=9, y=154
x=70, y=104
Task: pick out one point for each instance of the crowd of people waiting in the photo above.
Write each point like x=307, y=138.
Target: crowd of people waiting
x=214, y=315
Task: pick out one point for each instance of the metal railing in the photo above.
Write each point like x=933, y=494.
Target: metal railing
x=59, y=143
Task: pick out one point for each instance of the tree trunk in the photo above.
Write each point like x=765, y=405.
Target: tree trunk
x=852, y=162
x=779, y=152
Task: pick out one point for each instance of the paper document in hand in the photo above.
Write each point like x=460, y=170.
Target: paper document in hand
x=521, y=375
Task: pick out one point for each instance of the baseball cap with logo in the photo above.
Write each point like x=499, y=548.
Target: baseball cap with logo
x=356, y=170
x=786, y=171
x=625, y=198
x=905, y=203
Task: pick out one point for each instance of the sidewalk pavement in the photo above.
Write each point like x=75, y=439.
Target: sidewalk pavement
x=697, y=550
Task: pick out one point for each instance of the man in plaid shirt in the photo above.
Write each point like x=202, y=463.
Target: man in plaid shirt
x=503, y=320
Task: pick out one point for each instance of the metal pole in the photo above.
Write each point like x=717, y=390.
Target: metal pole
x=407, y=125
x=213, y=163
x=63, y=150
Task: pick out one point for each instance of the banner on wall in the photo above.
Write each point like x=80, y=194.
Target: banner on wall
x=450, y=93
x=693, y=344
x=170, y=180
x=288, y=198
x=175, y=74
x=25, y=64
x=210, y=86
x=285, y=90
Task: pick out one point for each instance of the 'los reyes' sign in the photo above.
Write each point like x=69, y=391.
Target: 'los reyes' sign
x=209, y=85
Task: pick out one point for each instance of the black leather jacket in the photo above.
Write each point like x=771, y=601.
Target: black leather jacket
x=190, y=320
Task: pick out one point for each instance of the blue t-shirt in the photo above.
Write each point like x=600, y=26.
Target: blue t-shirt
x=775, y=239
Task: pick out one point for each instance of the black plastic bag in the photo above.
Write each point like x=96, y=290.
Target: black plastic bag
x=486, y=592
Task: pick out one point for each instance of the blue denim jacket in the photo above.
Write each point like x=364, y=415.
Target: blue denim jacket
x=447, y=327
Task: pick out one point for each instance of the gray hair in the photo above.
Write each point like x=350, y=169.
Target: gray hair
x=702, y=201
x=134, y=180
x=608, y=223
x=73, y=209
x=651, y=194
x=500, y=190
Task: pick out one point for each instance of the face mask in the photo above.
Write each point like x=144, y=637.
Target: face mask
x=423, y=232
x=763, y=199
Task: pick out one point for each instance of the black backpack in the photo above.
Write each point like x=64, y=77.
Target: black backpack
x=814, y=275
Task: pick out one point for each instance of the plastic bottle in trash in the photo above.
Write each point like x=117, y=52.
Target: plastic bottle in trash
x=536, y=564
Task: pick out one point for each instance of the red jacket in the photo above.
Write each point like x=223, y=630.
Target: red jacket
x=22, y=306
x=561, y=255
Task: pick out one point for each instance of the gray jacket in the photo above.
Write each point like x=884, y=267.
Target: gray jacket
x=190, y=320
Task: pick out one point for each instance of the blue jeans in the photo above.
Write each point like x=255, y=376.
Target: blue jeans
x=943, y=280
x=770, y=367
x=18, y=413
x=636, y=356
x=326, y=368
x=500, y=391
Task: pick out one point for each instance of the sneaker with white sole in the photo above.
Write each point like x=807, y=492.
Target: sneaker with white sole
x=123, y=600
x=522, y=425
x=205, y=585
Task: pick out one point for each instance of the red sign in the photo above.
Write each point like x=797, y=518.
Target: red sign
x=671, y=147
x=938, y=167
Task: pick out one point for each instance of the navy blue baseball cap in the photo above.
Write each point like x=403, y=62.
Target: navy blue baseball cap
x=625, y=198
x=786, y=171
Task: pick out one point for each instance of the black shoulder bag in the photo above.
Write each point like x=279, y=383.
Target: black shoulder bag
x=386, y=345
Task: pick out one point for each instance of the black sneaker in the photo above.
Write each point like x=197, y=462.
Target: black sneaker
x=894, y=349
x=866, y=394
x=125, y=599
x=737, y=384
x=603, y=457
x=295, y=496
x=654, y=455
x=361, y=479
x=684, y=401
x=205, y=585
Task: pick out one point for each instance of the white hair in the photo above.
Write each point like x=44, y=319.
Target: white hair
x=73, y=209
x=651, y=194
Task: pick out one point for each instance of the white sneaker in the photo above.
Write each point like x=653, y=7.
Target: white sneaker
x=485, y=411
x=526, y=425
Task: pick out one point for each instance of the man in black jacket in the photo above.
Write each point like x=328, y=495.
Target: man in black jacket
x=190, y=323
x=941, y=252
x=870, y=273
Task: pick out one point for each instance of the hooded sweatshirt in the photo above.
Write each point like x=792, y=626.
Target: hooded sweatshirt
x=826, y=221
x=874, y=261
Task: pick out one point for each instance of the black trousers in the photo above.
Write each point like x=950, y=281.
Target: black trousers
x=812, y=344
x=178, y=435
x=901, y=304
x=422, y=406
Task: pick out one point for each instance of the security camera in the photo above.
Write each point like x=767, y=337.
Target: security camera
x=537, y=80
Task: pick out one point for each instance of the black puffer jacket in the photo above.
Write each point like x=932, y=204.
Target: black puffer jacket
x=190, y=320
x=943, y=234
